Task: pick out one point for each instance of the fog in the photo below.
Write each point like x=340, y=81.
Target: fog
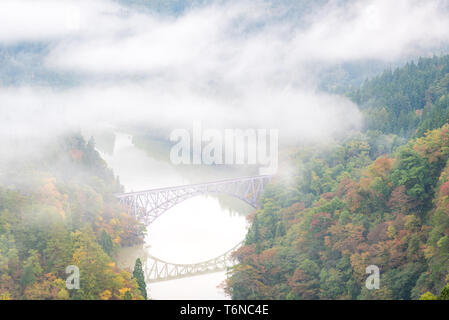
x=227, y=64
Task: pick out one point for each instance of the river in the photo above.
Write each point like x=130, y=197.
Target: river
x=195, y=230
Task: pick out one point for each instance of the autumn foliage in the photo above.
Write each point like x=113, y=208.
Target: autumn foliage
x=62, y=212
x=392, y=211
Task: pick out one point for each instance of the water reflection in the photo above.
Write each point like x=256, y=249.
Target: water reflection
x=195, y=230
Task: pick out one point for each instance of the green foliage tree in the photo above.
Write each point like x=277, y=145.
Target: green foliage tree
x=428, y=296
x=106, y=242
x=31, y=270
x=444, y=295
x=139, y=275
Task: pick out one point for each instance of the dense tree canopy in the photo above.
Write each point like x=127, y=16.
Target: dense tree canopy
x=374, y=199
x=60, y=211
x=409, y=100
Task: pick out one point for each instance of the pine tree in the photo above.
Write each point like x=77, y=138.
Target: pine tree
x=256, y=238
x=127, y=296
x=140, y=278
x=280, y=229
x=444, y=295
x=106, y=242
x=32, y=269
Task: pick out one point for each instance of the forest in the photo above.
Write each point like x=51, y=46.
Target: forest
x=378, y=198
x=357, y=90
x=57, y=211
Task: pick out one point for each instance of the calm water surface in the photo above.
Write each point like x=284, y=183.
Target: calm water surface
x=195, y=230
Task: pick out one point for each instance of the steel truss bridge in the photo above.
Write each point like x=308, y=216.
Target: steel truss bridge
x=157, y=270
x=146, y=206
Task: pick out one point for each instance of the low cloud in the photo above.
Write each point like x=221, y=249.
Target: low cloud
x=228, y=64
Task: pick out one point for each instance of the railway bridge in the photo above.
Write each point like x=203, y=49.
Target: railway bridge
x=148, y=205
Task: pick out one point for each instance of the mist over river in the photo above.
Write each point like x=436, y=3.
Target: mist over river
x=193, y=231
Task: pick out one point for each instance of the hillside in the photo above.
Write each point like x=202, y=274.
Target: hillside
x=60, y=211
x=409, y=100
x=372, y=200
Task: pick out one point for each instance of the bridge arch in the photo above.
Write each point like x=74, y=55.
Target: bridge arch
x=147, y=206
x=157, y=270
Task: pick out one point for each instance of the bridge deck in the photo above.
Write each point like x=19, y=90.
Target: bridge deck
x=148, y=205
x=123, y=195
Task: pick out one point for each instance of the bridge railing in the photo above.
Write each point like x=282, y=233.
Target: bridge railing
x=127, y=194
